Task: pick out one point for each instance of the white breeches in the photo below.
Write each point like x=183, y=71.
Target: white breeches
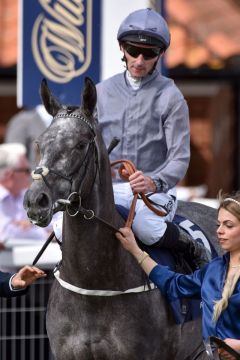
x=147, y=226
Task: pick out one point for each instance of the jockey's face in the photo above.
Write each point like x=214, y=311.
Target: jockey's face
x=140, y=59
x=228, y=231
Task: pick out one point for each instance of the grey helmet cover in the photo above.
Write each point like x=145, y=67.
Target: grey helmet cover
x=145, y=26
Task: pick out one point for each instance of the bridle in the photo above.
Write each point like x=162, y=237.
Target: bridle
x=73, y=203
x=73, y=200
x=41, y=172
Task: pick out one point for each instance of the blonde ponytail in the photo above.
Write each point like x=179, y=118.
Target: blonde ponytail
x=228, y=289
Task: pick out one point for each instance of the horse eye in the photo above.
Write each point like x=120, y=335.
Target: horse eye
x=80, y=146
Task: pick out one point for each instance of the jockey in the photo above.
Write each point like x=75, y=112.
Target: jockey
x=149, y=114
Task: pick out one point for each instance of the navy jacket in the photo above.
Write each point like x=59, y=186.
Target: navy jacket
x=5, y=290
x=205, y=284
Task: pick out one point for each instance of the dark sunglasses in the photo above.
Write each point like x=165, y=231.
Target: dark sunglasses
x=147, y=53
x=25, y=170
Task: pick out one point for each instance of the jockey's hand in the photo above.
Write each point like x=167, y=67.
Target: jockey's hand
x=26, y=276
x=141, y=183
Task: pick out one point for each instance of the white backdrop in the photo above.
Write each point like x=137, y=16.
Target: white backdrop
x=113, y=13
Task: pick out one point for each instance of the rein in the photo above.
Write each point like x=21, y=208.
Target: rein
x=88, y=214
x=130, y=168
x=43, y=248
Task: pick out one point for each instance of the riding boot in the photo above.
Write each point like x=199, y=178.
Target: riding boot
x=176, y=238
x=194, y=248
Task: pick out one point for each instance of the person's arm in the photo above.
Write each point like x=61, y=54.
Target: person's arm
x=22, y=229
x=16, y=225
x=5, y=290
x=16, y=284
x=129, y=243
x=171, y=284
x=177, y=135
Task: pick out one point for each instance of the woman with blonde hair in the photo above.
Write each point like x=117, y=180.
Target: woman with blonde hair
x=217, y=284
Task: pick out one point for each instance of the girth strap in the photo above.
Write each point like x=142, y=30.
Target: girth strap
x=88, y=292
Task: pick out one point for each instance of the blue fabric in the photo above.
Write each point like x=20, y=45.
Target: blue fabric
x=183, y=311
x=5, y=290
x=4, y=284
x=205, y=284
x=122, y=211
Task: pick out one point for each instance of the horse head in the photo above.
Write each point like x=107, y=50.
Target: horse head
x=68, y=153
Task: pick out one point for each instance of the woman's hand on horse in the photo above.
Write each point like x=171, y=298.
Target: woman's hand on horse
x=26, y=276
x=128, y=241
x=141, y=183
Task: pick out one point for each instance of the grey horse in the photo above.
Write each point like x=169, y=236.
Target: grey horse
x=100, y=306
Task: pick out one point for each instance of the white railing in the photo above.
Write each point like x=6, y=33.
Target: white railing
x=22, y=320
x=22, y=324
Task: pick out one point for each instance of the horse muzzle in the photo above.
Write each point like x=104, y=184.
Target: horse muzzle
x=38, y=207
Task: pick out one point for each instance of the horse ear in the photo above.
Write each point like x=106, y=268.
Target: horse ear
x=89, y=96
x=51, y=104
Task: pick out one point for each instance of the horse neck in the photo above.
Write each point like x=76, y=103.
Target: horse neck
x=91, y=252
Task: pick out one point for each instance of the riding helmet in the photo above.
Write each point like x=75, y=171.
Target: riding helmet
x=145, y=26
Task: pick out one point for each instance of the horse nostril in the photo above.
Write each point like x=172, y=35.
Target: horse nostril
x=43, y=200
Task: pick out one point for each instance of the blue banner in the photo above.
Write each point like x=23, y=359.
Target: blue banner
x=60, y=41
